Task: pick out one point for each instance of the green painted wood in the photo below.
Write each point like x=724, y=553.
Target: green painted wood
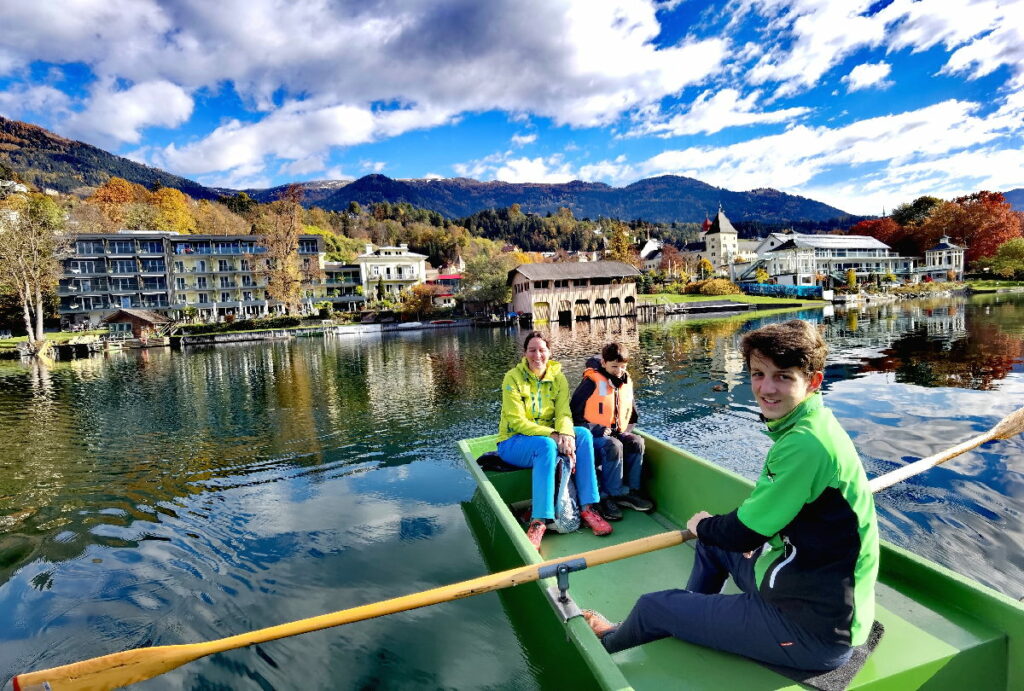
x=943, y=631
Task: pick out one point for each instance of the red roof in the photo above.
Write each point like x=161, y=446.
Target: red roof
x=450, y=277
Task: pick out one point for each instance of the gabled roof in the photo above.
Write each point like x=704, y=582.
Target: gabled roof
x=141, y=315
x=802, y=241
x=721, y=224
x=560, y=270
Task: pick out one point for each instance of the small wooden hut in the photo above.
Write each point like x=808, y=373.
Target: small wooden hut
x=143, y=322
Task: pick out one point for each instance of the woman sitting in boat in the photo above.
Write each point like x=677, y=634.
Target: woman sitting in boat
x=802, y=548
x=536, y=426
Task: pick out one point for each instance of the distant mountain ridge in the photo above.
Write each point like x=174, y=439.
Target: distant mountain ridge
x=662, y=199
x=48, y=160
x=1015, y=198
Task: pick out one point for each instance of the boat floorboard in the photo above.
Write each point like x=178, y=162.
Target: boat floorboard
x=613, y=588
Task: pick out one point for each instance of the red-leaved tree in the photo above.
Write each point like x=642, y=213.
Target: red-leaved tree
x=981, y=222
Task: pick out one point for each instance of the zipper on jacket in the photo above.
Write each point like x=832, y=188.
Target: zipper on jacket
x=791, y=557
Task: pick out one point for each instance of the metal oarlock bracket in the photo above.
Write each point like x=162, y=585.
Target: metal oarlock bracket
x=559, y=594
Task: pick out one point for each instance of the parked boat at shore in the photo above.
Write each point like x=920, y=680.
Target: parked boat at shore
x=942, y=630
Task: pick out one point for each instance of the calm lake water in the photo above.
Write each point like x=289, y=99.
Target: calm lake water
x=156, y=497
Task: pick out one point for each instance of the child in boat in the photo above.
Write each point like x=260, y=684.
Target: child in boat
x=603, y=403
x=536, y=426
x=802, y=548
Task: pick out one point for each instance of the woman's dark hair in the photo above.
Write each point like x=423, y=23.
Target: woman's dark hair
x=532, y=335
x=615, y=352
x=794, y=343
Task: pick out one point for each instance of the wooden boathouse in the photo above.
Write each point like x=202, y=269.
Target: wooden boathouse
x=574, y=290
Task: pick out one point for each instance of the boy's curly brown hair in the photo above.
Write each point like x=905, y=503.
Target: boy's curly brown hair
x=794, y=343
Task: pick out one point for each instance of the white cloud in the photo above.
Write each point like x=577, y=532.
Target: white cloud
x=712, y=112
x=373, y=166
x=868, y=75
x=552, y=169
x=523, y=139
x=21, y=99
x=936, y=136
x=982, y=56
x=116, y=116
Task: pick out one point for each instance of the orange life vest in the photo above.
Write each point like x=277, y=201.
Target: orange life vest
x=606, y=400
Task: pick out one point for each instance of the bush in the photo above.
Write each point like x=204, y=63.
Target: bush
x=719, y=286
x=241, y=325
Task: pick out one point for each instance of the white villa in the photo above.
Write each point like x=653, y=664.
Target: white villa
x=391, y=269
x=942, y=259
x=801, y=259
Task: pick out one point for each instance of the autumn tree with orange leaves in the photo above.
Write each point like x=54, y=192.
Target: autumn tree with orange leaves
x=981, y=222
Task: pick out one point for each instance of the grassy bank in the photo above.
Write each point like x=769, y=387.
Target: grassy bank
x=996, y=284
x=738, y=297
x=10, y=344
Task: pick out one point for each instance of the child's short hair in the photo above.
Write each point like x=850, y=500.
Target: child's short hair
x=794, y=343
x=615, y=352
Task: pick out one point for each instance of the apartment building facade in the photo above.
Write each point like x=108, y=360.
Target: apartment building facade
x=164, y=272
x=387, y=271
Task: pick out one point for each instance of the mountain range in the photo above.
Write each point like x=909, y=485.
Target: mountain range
x=47, y=160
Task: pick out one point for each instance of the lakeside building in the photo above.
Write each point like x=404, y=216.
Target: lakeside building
x=342, y=287
x=387, y=271
x=165, y=272
x=580, y=290
x=943, y=261
x=809, y=259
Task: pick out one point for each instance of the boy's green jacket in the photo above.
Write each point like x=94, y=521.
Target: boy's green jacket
x=534, y=407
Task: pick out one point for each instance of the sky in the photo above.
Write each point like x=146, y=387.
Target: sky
x=861, y=105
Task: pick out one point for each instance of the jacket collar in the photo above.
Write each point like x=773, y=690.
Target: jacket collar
x=784, y=423
x=553, y=370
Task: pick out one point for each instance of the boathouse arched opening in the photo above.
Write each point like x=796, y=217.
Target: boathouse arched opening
x=582, y=310
x=541, y=312
x=630, y=304
x=614, y=307
x=600, y=308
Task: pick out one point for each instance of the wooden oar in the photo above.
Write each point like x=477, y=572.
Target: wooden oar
x=1009, y=426
x=130, y=666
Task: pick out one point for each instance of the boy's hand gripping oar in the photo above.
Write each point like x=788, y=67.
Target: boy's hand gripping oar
x=120, y=669
x=130, y=666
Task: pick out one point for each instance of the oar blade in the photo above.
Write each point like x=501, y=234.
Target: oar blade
x=1009, y=426
x=110, y=671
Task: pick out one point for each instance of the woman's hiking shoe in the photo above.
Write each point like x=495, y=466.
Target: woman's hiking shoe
x=632, y=500
x=536, y=532
x=595, y=522
x=609, y=510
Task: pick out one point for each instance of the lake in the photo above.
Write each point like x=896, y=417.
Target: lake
x=158, y=497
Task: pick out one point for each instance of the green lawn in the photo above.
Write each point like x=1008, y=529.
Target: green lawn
x=739, y=297
x=55, y=336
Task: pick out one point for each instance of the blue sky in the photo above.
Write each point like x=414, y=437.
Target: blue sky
x=862, y=105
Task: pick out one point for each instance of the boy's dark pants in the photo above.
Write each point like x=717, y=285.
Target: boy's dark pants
x=621, y=458
x=743, y=624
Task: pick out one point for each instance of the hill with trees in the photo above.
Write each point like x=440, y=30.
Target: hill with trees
x=46, y=160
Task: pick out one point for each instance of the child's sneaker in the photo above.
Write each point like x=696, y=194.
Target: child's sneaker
x=633, y=500
x=595, y=522
x=536, y=532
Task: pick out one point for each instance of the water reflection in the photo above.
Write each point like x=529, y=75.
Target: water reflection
x=158, y=497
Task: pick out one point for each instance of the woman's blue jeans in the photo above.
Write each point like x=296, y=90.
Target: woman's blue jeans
x=541, y=454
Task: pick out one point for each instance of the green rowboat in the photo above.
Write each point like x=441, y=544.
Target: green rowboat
x=942, y=630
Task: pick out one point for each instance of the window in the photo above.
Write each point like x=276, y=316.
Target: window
x=121, y=247
x=119, y=284
x=179, y=283
x=222, y=265
x=307, y=246
x=151, y=246
x=201, y=282
x=89, y=247
x=201, y=266
x=247, y=296
x=247, y=281
x=82, y=267
x=244, y=264
x=154, y=283
x=580, y=282
x=203, y=297
x=179, y=267
x=123, y=266
x=225, y=297
x=154, y=266
x=225, y=282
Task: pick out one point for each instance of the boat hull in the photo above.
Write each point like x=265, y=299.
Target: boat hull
x=943, y=631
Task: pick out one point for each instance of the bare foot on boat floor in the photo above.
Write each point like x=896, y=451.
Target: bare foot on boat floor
x=598, y=624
